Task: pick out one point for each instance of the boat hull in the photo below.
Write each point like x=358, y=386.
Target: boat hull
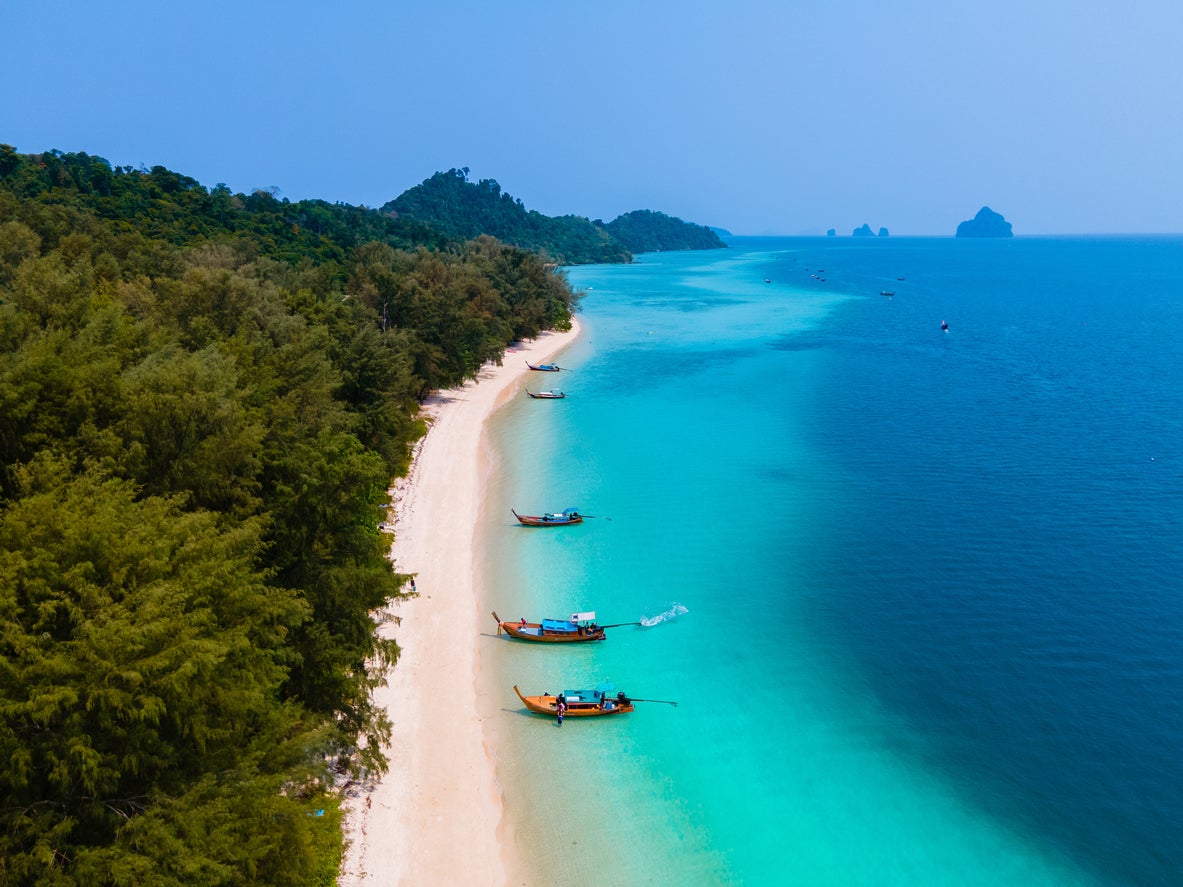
x=533, y=631
x=532, y=520
x=549, y=705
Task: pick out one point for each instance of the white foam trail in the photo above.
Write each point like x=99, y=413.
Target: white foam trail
x=672, y=613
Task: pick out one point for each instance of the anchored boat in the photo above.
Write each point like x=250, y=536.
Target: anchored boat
x=579, y=703
x=552, y=394
x=574, y=629
x=550, y=518
x=544, y=367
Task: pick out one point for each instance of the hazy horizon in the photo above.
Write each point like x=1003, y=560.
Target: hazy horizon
x=756, y=117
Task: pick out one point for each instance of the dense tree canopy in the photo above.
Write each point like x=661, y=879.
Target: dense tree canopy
x=463, y=209
x=646, y=231
x=203, y=398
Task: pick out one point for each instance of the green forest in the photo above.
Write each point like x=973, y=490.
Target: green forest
x=462, y=209
x=204, y=396
x=648, y=231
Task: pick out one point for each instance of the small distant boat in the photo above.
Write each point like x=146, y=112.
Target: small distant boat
x=550, y=518
x=575, y=629
x=544, y=367
x=580, y=703
x=888, y=293
x=552, y=394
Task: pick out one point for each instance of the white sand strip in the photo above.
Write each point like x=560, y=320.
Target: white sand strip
x=434, y=818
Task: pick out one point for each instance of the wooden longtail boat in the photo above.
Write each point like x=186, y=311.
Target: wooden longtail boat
x=550, y=518
x=575, y=629
x=544, y=367
x=552, y=394
x=580, y=703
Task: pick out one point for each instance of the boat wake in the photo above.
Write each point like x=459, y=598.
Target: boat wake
x=672, y=613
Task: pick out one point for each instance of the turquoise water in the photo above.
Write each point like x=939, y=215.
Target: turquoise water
x=932, y=623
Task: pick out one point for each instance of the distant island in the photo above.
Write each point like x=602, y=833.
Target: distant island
x=448, y=202
x=986, y=223
x=647, y=231
x=865, y=231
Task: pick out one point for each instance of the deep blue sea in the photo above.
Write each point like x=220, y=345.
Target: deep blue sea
x=925, y=587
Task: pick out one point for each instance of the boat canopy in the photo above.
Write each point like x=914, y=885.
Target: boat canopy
x=605, y=689
x=561, y=625
x=583, y=617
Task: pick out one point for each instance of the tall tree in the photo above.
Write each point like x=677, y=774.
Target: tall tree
x=141, y=657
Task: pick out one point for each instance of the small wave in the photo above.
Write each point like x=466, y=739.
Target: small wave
x=672, y=613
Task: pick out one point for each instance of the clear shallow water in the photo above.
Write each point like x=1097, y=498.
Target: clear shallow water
x=933, y=630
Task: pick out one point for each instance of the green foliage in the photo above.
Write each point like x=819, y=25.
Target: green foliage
x=203, y=399
x=140, y=654
x=174, y=209
x=465, y=210
x=646, y=231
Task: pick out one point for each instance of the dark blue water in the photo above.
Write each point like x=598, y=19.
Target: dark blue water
x=1014, y=564
x=933, y=581
x=1014, y=584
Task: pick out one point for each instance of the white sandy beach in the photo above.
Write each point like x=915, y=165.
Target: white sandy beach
x=436, y=818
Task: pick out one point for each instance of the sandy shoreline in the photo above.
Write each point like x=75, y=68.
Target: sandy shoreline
x=436, y=818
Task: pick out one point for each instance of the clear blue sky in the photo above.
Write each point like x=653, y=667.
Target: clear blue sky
x=754, y=115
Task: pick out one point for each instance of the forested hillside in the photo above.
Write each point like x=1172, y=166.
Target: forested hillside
x=646, y=231
x=462, y=209
x=203, y=398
